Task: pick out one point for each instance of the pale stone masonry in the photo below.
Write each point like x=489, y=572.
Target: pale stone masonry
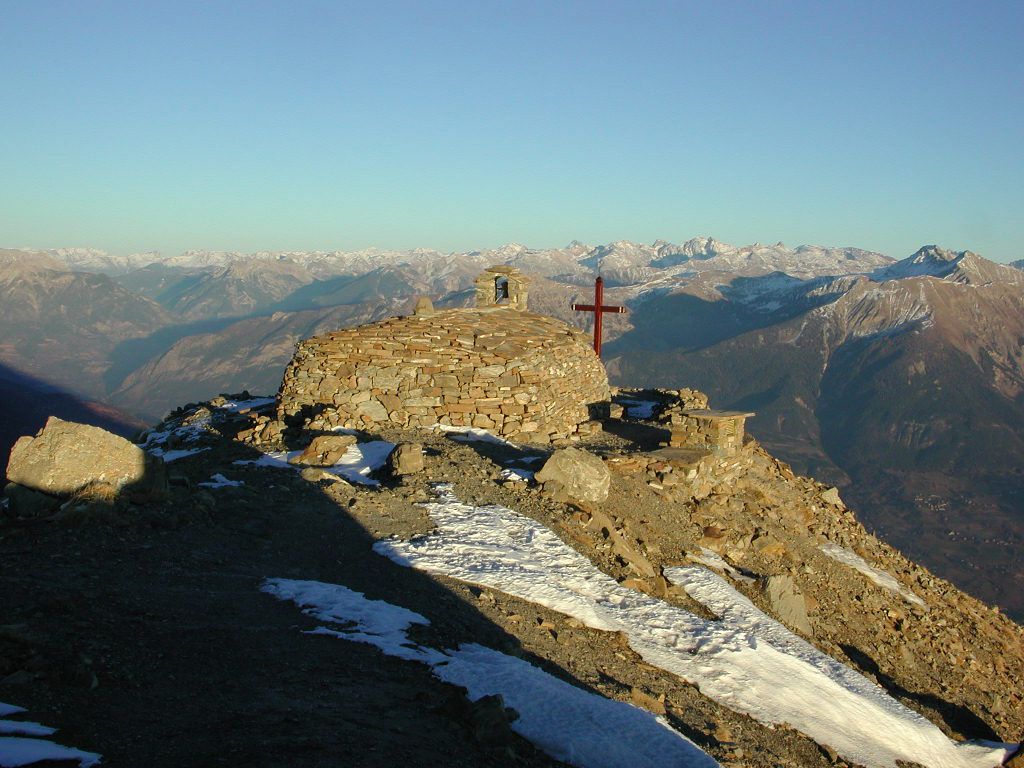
x=501, y=285
x=720, y=432
x=524, y=376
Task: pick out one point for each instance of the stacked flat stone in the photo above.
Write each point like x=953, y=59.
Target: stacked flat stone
x=521, y=375
x=720, y=432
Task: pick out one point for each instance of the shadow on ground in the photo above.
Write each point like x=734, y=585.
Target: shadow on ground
x=141, y=632
x=958, y=719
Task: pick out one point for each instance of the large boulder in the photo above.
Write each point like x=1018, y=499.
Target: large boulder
x=406, y=459
x=65, y=457
x=787, y=603
x=576, y=474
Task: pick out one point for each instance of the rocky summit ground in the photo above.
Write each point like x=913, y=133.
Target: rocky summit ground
x=142, y=633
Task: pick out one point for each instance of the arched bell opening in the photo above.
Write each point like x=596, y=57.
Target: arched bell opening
x=501, y=290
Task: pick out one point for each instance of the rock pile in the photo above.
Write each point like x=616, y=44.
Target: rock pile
x=524, y=376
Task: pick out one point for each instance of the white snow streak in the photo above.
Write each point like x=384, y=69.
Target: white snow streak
x=712, y=559
x=744, y=661
x=180, y=453
x=234, y=406
x=26, y=728
x=566, y=722
x=18, y=750
x=879, y=577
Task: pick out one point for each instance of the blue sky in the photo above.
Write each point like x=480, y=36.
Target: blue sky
x=457, y=125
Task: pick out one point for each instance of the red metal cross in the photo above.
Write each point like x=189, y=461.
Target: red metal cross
x=598, y=309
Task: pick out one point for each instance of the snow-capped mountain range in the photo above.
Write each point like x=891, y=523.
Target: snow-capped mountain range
x=865, y=370
x=627, y=260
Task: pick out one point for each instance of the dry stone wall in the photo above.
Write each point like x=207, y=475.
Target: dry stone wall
x=524, y=376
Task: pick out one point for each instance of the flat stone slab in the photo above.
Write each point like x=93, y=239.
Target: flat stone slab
x=680, y=455
x=715, y=415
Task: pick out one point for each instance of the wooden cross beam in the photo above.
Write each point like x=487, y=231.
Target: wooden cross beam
x=598, y=309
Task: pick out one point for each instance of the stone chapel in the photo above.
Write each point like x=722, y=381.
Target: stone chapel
x=497, y=366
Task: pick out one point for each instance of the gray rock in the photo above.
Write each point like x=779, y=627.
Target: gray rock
x=316, y=474
x=24, y=502
x=576, y=473
x=374, y=410
x=64, y=457
x=406, y=459
x=831, y=496
x=787, y=603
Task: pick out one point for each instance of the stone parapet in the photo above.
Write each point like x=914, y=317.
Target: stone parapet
x=720, y=432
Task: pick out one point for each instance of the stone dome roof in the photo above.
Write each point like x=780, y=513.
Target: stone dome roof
x=518, y=374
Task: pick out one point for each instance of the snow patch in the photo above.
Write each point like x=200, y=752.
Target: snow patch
x=272, y=459
x=566, y=722
x=712, y=559
x=745, y=661
x=156, y=441
x=516, y=475
x=219, y=481
x=639, y=409
x=181, y=453
x=473, y=435
x=344, y=430
x=879, y=577
x=26, y=728
x=362, y=459
x=19, y=750
x=234, y=406
x=354, y=466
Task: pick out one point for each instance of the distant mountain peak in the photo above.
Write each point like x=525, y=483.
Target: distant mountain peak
x=926, y=261
x=935, y=253
x=704, y=246
x=942, y=263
